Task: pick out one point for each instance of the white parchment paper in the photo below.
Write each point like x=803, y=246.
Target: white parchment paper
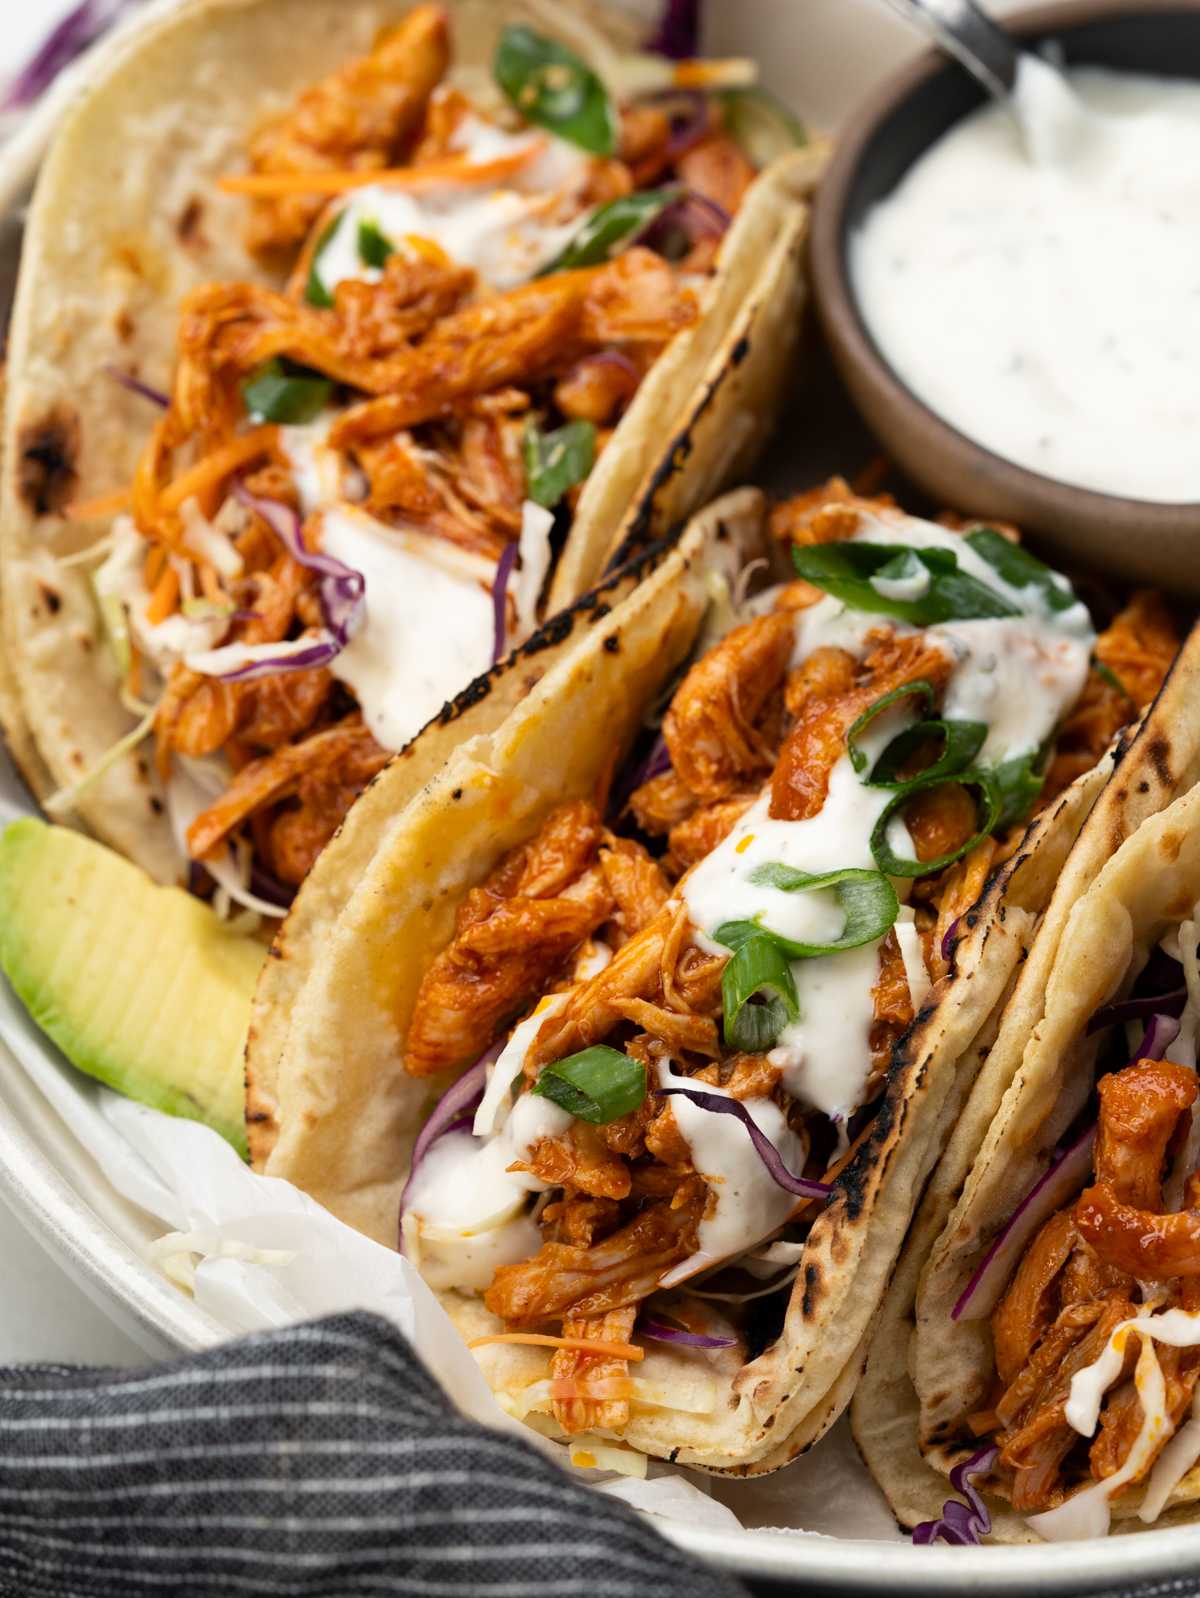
x=191, y=1180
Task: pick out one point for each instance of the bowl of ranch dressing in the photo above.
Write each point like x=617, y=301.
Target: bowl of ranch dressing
x=1012, y=292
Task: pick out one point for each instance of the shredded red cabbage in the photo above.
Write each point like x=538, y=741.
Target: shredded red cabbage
x=270, y=888
x=77, y=30
x=1164, y=1004
x=694, y=214
x=948, y=937
x=136, y=386
x=342, y=592
x=763, y=1147
x=500, y=600
x=1160, y=1034
x=670, y=1334
x=678, y=35
x=962, y=1524
x=455, y=1109
x=1068, y=1173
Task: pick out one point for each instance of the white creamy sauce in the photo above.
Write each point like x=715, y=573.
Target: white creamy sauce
x=1039, y=288
x=164, y=643
x=1016, y=674
x=429, y=627
x=508, y=231
x=749, y=1204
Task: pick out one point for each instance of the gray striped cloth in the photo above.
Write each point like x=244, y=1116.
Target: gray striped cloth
x=321, y=1461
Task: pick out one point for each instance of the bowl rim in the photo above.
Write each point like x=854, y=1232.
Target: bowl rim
x=851, y=342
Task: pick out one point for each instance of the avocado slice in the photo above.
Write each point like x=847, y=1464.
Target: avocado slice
x=141, y=986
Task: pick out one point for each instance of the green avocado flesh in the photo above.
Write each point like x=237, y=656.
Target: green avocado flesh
x=138, y=985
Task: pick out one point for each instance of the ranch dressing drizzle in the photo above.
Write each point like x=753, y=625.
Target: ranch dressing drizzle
x=1016, y=674
x=1038, y=286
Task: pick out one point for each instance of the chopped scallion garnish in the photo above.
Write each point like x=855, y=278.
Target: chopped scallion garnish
x=597, y=1085
x=552, y=87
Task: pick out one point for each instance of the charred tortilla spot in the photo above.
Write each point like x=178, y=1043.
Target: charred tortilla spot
x=50, y=598
x=457, y=794
x=812, y=1282
x=275, y=954
x=156, y=804
x=123, y=325
x=189, y=229
x=672, y=1456
x=612, y=644
x=1143, y=787
x=768, y=1423
x=1159, y=751
x=259, y=1115
x=601, y=612
x=722, y=532
x=47, y=452
x=739, y=352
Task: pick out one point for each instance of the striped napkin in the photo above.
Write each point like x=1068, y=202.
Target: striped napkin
x=321, y=1461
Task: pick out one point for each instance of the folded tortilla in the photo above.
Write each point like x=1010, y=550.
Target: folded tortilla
x=1110, y=899
x=127, y=219
x=341, y=1114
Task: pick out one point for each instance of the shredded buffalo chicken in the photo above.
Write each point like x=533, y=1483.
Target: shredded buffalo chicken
x=1091, y=1267
x=434, y=377
x=741, y=723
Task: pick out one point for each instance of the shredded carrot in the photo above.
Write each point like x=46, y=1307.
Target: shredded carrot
x=154, y=566
x=134, y=680
x=584, y=1345
x=162, y=601
x=453, y=169
x=219, y=464
x=210, y=584
x=107, y=505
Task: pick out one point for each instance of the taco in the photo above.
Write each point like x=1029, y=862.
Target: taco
x=666, y=1204
x=495, y=289
x=970, y=1325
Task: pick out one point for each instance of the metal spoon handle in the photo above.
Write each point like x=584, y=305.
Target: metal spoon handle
x=972, y=37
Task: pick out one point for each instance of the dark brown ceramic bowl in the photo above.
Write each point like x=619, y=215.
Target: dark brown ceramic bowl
x=1132, y=539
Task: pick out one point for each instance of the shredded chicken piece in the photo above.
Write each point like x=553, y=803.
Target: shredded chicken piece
x=589, y=1014
x=597, y=388
x=580, y=1221
x=717, y=170
x=710, y=729
x=826, y=672
x=582, y=1414
x=1028, y=1309
x=940, y=820
x=326, y=771
x=1138, y=650
x=745, y=1076
x=953, y=892
x=636, y=883
x=1078, y=1279
x=622, y=1269
x=356, y=118
x=580, y=1159
x=893, y=1010
x=700, y=834
x=824, y=515
x=818, y=740
x=1140, y=1108
x=513, y=936
x=661, y=803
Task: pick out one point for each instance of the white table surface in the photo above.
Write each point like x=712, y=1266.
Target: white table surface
x=823, y=55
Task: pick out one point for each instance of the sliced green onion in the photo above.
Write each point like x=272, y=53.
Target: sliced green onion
x=963, y=741
x=612, y=227
x=555, y=462
x=373, y=246
x=1019, y=780
x=315, y=292
x=989, y=809
x=281, y=391
x=1019, y=568
x=551, y=86
x=867, y=898
x=759, y=966
x=761, y=124
x=844, y=570
x=1110, y=677
x=857, y=758
x=116, y=626
x=598, y=1084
